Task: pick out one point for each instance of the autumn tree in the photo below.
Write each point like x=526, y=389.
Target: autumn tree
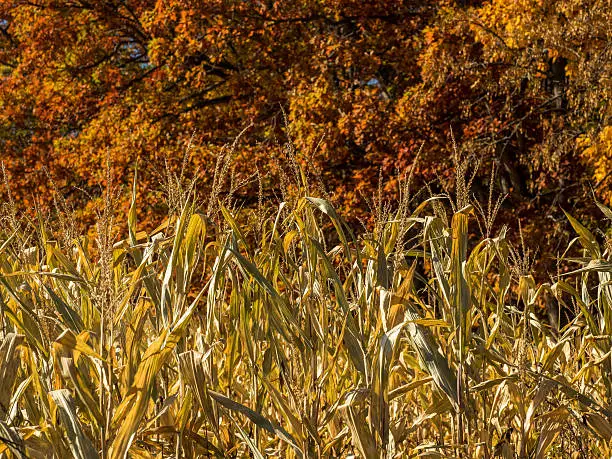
x=138, y=79
x=526, y=86
x=364, y=86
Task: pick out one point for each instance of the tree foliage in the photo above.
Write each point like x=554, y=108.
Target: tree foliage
x=364, y=87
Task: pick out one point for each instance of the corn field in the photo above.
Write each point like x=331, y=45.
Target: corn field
x=285, y=334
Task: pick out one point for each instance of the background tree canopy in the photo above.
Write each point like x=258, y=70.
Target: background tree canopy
x=523, y=85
